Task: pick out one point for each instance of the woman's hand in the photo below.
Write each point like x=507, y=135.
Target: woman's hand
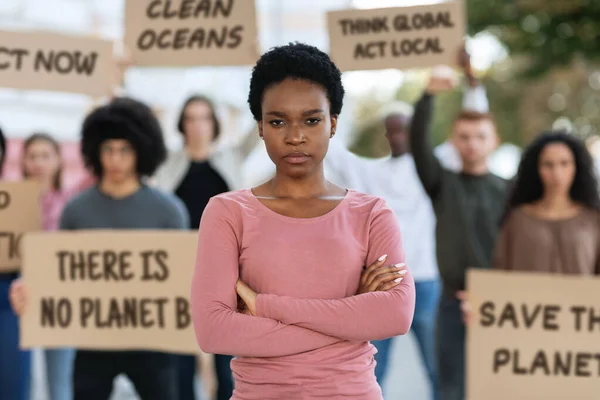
x=442, y=79
x=465, y=306
x=377, y=278
x=18, y=297
x=248, y=297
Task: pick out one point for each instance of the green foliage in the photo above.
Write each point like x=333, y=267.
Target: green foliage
x=548, y=33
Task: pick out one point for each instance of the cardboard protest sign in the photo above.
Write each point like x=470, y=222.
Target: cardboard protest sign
x=109, y=290
x=182, y=33
x=56, y=62
x=533, y=336
x=401, y=37
x=20, y=212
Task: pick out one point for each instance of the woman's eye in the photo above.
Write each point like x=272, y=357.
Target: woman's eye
x=276, y=122
x=313, y=121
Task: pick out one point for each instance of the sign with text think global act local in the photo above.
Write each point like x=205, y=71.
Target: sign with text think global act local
x=56, y=62
x=533, y=336
x=185, y=33
x=401, y=37
x=111, y=290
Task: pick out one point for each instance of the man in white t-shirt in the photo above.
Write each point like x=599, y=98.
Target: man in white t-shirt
x=395, y=179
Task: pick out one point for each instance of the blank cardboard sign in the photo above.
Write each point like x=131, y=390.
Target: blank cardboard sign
x=533, y=336
x=20, y=212
x=56, y=62
x=401, y=37
x=185, y=33
x=111, y=290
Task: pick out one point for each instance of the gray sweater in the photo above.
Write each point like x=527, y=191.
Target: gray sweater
x=147, y=208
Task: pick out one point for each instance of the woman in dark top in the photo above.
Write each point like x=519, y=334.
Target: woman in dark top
x=195, y=186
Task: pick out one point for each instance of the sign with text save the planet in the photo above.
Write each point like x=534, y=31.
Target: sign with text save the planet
x=111, y=290
x=401, y=37
x=56, y=62
x=185, y=33
x=533, y=336
x=20, y=212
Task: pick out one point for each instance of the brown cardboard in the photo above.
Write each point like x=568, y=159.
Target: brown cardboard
x=20, y=212
x=400, y=37
x=185, y=33
x=56, y=62
x=154, y=287
x=552, y=333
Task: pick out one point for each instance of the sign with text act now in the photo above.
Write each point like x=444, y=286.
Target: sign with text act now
x=187, y=33
x=111, y=290
x=402, y=37
x=533, y=336
x=56, y=62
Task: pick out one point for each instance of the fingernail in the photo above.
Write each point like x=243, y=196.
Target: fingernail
x=403, y=272
x=400, y=266
x=383, y=257
x=398, y=280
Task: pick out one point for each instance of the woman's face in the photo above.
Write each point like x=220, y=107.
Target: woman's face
x=296, y=126
x=41, y=161
x=557, y=168
x=198, y=123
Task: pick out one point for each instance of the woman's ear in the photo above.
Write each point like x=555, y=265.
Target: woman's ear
x=334, y=120
x=260, y=129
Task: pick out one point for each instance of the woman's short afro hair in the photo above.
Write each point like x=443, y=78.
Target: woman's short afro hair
x=296, y=61
x=130, y=120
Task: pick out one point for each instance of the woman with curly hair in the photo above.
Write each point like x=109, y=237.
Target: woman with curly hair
x=552, y=219
x=122, y=143
x=294, y=249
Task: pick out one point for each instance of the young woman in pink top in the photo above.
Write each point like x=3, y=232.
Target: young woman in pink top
x=294, y=250
x=42, y=162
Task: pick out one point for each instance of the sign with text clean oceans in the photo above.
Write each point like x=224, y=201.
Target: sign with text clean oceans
x=186, y=33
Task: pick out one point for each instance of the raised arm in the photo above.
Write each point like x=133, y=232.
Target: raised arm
x=427, y=164
x=219, y=328
x=369, y=316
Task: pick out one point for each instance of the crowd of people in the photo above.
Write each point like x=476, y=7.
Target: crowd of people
x=301, y=283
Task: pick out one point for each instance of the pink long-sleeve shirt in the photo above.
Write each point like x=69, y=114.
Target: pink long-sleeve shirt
x=311, y=337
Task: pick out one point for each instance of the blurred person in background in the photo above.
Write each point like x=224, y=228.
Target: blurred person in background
x=195, y=174
x=42, y=162
x=468, y=205
x=552, y=220
x=122, y=143
x=15, y=364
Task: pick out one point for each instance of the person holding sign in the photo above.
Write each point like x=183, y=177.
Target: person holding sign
x=15, y=364
x=308, y=308
x=196, y=174
x=122, y=143
x=552, y=220
x=42, y=162
x=468, y=205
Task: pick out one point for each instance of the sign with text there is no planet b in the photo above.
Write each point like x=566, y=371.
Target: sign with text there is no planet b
x=109, y=290
x=533, y=336
x=187, y=33
x=56, y=62
x=402, y=37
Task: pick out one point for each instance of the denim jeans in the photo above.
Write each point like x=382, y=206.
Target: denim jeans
x=450, y=338
x=15, y=364
x=186, y=372
x=59, y=370
x=423, y=326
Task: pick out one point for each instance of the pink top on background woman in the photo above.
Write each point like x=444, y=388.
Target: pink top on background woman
x=311, y=335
